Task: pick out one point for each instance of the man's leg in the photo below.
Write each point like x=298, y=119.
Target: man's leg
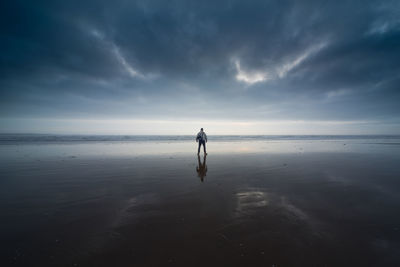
x=204, y=147
x=198, y=150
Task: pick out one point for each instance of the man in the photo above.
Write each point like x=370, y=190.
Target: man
x=202, y=140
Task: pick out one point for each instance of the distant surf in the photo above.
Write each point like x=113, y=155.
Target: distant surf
x=60, y=138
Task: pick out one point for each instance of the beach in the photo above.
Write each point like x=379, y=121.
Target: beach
x=152, y=201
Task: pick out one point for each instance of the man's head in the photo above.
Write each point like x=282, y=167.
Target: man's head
x=201, y=129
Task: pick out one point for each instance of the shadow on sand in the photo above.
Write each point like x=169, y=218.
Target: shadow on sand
x=201, y=167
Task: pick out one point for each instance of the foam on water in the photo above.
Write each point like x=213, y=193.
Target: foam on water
x=52, y=138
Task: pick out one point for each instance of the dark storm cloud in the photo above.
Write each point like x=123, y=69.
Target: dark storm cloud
x=81, y=58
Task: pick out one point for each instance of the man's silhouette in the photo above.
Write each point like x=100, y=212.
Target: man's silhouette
x=201, y=138
x=201, y=167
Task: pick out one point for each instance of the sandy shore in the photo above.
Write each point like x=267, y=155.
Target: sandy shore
x=158, y=204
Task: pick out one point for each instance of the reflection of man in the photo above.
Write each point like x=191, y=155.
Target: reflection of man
x=202, y=139
x=201, y=168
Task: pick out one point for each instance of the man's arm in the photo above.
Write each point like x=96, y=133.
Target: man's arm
x=205, y=137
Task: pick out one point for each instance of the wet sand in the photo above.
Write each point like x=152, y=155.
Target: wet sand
x=158, y=204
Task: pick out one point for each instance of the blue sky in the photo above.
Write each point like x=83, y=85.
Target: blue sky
x=171, y=67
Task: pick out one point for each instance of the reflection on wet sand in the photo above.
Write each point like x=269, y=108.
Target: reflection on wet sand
x=201, y=167
x=256, y=209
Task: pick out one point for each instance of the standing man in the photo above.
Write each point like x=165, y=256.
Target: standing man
x=202, y=140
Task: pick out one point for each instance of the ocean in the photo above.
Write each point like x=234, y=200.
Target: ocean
x=26, y=138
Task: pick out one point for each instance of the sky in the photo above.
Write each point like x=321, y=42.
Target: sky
x=171, y=67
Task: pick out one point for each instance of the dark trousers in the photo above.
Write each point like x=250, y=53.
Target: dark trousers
x=204, y=146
